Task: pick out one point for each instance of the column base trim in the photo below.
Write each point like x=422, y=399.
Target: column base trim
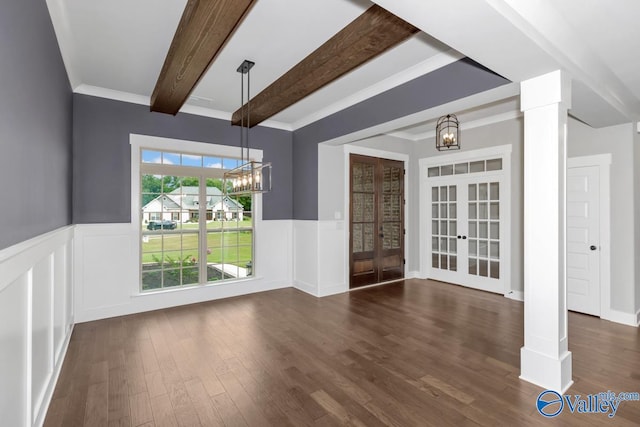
x=544, y=371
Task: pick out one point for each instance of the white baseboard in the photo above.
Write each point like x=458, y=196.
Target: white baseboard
x=638, y=318
x=325, y=291
x=413, y=274
x=622, y=317
x=141, y=303
x=308, y=288
x=515, y=295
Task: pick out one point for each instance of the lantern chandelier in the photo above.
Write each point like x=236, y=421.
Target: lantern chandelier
x=448, y=133
x=251, y=176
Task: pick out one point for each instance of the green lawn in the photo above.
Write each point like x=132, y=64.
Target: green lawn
x=174, y=246
x=213, y=225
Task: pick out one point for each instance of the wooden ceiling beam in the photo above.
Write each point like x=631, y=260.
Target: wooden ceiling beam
x=205, y=27
x=369, y=35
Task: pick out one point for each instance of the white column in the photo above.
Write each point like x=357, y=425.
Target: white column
x=545, y=359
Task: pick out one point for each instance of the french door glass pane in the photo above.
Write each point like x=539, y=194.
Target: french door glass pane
x=452, y=193
x=453, y=263
x=494, y=230
x=472, y=192
x=495, y=191
x=473, y=229
x=483, y=229
x=494, y=210
x=482, y=211
x=494, y=272
x=483, y=193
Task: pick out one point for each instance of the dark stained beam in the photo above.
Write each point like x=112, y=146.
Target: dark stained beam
x=369, y=35
x=205, y=27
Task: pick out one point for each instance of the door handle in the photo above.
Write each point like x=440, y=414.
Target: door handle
x=593, y=247
x=459, y=237
x=464, y=237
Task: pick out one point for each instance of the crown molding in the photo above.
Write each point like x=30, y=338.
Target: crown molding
x=134, y=98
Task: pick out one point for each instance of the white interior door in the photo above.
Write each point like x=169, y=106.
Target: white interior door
x=583, y=239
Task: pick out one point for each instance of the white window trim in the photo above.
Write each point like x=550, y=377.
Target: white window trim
x=156, y=143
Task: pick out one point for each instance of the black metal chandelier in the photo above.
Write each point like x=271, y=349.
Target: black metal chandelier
x=251, y=176
x=448, y=133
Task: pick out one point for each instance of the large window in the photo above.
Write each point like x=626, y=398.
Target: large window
x=191, y=232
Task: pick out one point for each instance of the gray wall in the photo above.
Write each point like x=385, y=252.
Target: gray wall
x=617, y=140
x=509, y=132
x=102, y=155
x=454, y=81
x=35, y=125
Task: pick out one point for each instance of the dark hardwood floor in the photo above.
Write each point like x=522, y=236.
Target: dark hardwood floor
x=412, y=353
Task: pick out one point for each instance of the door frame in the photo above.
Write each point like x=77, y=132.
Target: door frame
x=603, y=162
x=390, y=155
x=500, y=151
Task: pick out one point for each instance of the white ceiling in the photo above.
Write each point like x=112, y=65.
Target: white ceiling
x=120, y=46
x=116, y=49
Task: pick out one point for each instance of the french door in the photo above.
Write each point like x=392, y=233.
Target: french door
x=466, y=230
x=376, y=217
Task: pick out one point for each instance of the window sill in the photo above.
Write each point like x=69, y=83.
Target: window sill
x=196, y=286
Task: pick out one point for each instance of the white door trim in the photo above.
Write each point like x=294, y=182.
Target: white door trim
x=502, y=151
x=603, y=162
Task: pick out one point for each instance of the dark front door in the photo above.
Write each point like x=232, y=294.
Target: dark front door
x=376, y=243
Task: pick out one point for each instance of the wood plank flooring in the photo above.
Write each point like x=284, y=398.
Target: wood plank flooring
x=412, y=353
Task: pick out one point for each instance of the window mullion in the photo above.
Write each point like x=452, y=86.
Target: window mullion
x=202, y=227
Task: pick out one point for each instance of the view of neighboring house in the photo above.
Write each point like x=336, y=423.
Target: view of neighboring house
x=181, y=205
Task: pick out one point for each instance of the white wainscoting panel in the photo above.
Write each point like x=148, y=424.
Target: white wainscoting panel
x=37, y=319
x=107, y=271
x=333, y=261
x=305, y=256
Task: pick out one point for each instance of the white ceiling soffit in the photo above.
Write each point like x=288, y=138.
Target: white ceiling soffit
x=485, y=107
x=524, y=39
x=469, y=118
x=116, y=48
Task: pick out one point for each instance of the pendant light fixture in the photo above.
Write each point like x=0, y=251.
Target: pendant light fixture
x=448, y=133
x=251, y=176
